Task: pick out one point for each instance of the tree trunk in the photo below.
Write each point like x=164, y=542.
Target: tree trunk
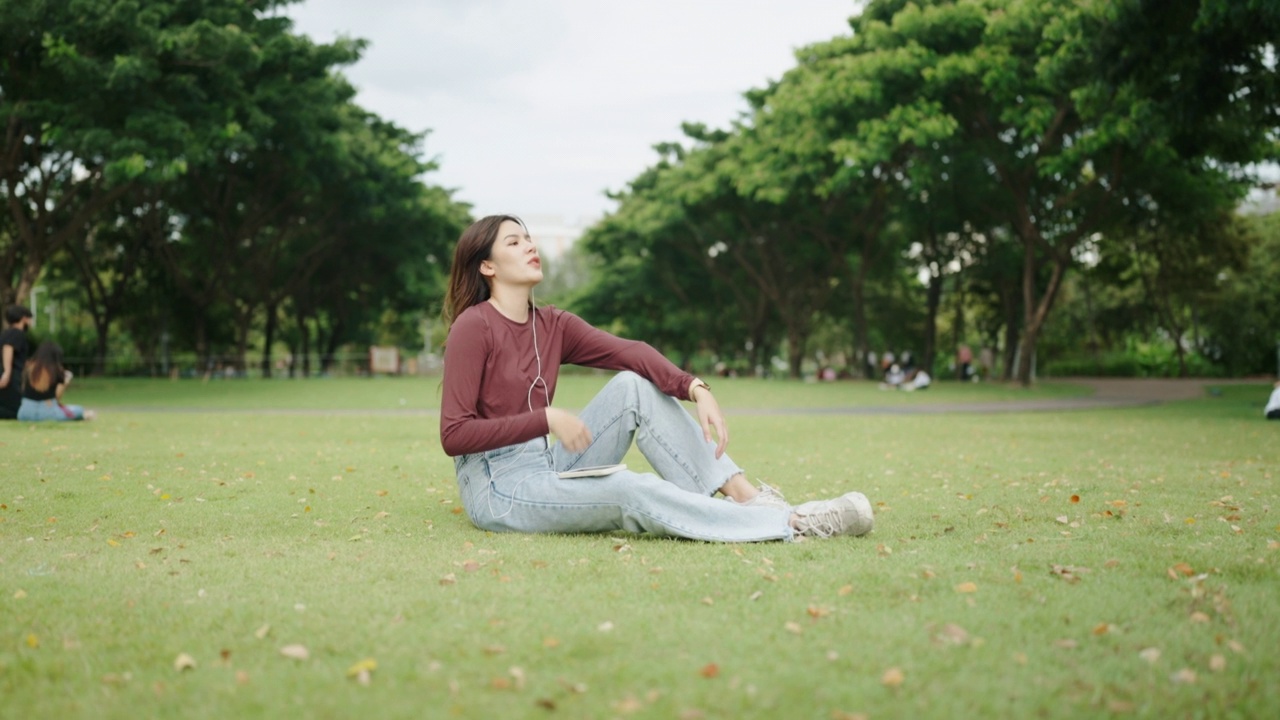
x=27, y=280
x=101, y=326
x=1035, y=312
x=1012, y=322
x=202, y=346
x=331, y=347
x=305, y=343
x=242, y=343
x=959, y=329
x=795, y=351
x=933, y=298
x=859, y=286
x=268, y=339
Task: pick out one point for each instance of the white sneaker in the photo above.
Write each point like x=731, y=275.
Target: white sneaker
x=849, y=514
x=768, y=497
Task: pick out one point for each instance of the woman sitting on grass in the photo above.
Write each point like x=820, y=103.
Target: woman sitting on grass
x=45, y=381
x=501, y=362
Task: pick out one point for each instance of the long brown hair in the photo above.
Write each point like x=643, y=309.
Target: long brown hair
x=44, y=369
x=467, y=286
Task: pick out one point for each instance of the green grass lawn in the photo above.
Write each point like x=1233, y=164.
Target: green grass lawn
x=1104, y=563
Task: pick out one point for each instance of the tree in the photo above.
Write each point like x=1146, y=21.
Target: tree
x=1069, y=149
x=97, y=96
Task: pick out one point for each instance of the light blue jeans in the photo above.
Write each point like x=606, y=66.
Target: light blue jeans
x=36, y=410
x=516, y=488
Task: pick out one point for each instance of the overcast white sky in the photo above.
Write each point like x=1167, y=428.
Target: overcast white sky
x=539, y=106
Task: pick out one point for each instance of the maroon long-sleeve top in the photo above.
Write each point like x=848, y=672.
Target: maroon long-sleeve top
x=490, y=364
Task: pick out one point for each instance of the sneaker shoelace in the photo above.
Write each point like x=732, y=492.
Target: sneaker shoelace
x=824, y=523
x=769, y=492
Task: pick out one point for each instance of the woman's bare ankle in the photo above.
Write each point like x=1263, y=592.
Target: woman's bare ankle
x=739, y=489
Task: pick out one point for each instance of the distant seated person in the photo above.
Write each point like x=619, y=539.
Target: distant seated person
x=917, y=380
x=1272, y=411
x=893, y=377
x=45, y=381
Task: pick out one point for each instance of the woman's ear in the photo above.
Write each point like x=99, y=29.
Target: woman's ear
x=486, y=268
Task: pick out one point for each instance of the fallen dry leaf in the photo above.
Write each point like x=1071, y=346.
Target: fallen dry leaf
x=366, y=665
x=628, y=705
x=262, y=632
x=892, y=678
x=1217, y=662
x=1065, y=643
x=1151, y=655
x=295, y=652
x=184, y=662
x=793, y=627
x=448, y=579
x=605, y=626
x=1069, y=573
x=709, y=671
x=844, y=590
x=1075, y=499
x=1199, y=617
x=1181, y=569
x=1102, y=628
x=967, y=587
x=951, y=634
x=1185, y=676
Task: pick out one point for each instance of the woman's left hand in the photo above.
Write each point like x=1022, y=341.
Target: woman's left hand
x=709, y=417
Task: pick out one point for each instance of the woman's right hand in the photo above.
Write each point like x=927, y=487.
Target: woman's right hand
x=568, y=429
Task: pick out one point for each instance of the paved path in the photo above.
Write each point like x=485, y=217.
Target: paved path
x=1107, y=393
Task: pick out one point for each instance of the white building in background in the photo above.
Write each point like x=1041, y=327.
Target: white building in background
x=555, y=234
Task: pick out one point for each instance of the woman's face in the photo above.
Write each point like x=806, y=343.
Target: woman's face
x=513, y=260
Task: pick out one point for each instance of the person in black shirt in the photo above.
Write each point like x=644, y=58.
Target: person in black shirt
x=13, y=357
x=44, y=384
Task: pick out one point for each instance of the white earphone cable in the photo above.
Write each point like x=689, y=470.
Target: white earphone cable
x=533, y=320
